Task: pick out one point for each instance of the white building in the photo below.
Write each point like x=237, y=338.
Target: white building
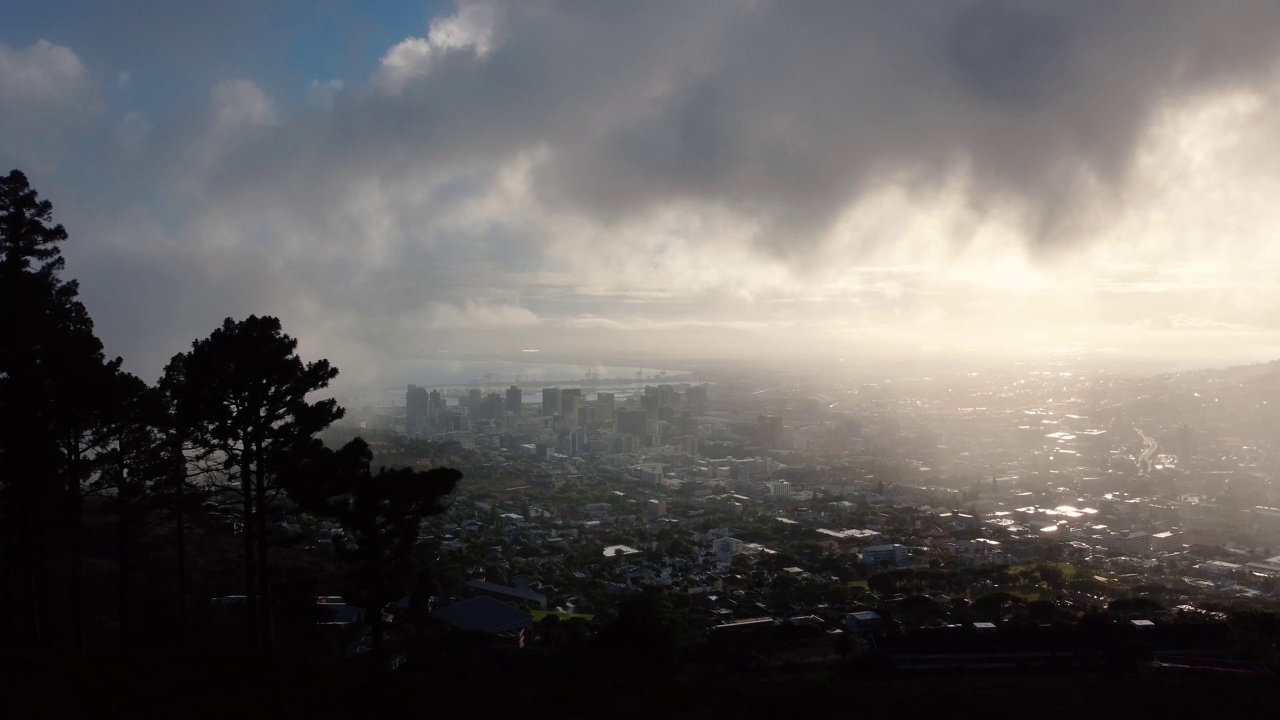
x=728, y=546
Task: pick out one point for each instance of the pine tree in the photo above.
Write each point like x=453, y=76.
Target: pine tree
x=52, y=374
x=242, y=393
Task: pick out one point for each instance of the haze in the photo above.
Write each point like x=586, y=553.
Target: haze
x=772, y=181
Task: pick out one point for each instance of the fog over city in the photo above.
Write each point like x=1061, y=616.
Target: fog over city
x=654, y=358
x=769, y=181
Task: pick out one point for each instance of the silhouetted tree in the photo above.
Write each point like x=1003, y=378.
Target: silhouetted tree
x=242, y=392
x=52, y=367
x=381, y=512
x=128, y=467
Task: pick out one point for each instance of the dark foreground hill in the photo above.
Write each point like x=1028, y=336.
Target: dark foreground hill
x=237, y=687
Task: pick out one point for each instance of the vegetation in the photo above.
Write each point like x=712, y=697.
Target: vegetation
x=227, y=437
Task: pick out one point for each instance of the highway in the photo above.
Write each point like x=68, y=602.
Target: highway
x=1149, y=447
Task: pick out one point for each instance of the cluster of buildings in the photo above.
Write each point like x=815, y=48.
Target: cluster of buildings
x=705, y=489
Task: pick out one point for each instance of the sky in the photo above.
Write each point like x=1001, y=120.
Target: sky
x=769, y=179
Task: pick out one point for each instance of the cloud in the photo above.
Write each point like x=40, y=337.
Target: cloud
x=1182, y=322
x=697, y=176
x=132, y=131
x=46, y=99
x=472, y=316
x=124, y=80
x=239, y=103
x=471, y=28
x=322, y=94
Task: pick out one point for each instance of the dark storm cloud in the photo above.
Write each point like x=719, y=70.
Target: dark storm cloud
x=787, y=111
x=355, y=213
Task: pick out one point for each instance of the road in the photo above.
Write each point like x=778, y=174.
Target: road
x=1149, y=447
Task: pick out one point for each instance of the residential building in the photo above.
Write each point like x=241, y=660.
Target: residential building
x=893, y=555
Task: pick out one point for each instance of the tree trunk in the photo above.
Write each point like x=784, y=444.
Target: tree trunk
x=75, y=536
x=179, y=537
x=264, y=587
x=250, y=560
x=25, y=611
x=122, y=565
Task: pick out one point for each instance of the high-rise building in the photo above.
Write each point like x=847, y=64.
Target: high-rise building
x=631, y=422
x=770, y=431
x=569, y=398
x=604, y=406
x=668, y=396
x=650, y=402
x=494, y=407
x=696, y=399
x=417, y=410
x=550, y=401
x=514, y=399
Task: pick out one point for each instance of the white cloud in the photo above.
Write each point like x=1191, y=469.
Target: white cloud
x=322, y=94
x=471, y=28
x=239, y=103
x=123, y=80
x=474, y=316
x=46, y=98
x=132, y=131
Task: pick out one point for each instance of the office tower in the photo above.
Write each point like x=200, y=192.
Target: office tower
x=770, y=431
x=417, y=410
x=474, y=399
x=514, y=399
x=569, y=401
x=631, y=422
x=550, y=401
x=696, y=399
x=494, y=407
x=667, y=395
x=649, y=402
x=585, y=416
x=437, y=404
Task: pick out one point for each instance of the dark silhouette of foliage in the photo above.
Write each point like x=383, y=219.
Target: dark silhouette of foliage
x=52, y=371
x=381, y=513
x=242, y=392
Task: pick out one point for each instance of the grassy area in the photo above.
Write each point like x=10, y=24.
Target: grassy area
x=539, y=614
x=1068, y=570
x=859, y=583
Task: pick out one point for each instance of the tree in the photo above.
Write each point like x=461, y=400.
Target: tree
x=242, y=392
x=381, y=513
x=51, y=368
x=127, y=469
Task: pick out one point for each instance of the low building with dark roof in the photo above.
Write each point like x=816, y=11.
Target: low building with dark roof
x=487, y=615
x=509, y=593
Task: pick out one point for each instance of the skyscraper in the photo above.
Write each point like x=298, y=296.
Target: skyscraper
x=696, y=399
x=631, y=422
x=604, y=406
x=417, y=410
x=494, y=406
x=514, y=399
x=550, y=401
x=569, y=402
x=771, y=431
